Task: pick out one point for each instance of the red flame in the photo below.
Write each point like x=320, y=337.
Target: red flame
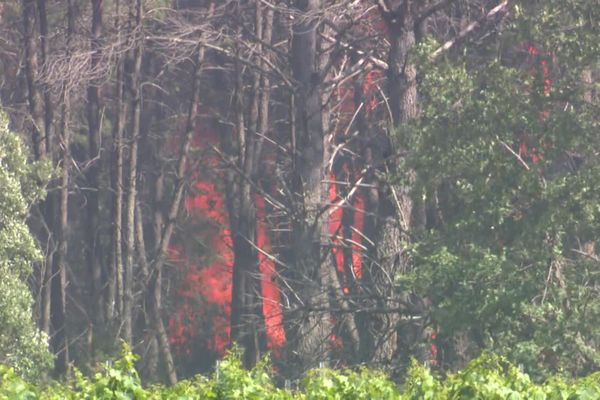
x=205, y=291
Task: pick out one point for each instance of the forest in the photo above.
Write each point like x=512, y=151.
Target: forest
x=346, y=198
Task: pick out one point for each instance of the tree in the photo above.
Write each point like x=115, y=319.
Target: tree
x=22, y=344
x=508, y=141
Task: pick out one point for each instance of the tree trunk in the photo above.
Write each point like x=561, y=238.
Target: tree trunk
x=115, y=295
x=93, y=172
x=391, y=230
x=135, y=96
x=31, y=73
x=59, y=338
x=38, y=140
x=59, y=279
x=247, y=321
x=48, y=113
x=309, y=257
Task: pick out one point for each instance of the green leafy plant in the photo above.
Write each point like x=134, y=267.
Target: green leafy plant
x=487, y=377
x=22, y=345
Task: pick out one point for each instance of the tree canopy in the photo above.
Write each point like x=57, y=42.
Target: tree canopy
x=22, y=345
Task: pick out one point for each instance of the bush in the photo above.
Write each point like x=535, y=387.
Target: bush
x=488, y=377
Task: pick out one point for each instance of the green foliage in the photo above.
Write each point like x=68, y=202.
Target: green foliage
x=22, y=346
x=120, y=381
x=489, y=377
x=349, y=385
x=506, y=153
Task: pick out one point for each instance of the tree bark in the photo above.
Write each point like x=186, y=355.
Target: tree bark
x=115, y=295
x=31, y=73
x=93, y=171
x=309, y=257
x=59, y=338
x=247, y=320
x=48, y=112
x=391, y=230
x=59, y=279
x=135, y=96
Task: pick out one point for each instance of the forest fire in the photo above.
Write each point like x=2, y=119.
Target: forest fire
x=213, y=280
x=204, y=295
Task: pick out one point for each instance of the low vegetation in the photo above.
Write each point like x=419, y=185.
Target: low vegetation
x=488, y=377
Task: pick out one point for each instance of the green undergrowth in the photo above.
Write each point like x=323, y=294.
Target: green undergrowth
x=488, y=377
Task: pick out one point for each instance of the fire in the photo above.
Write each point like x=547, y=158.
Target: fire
x=205, y=292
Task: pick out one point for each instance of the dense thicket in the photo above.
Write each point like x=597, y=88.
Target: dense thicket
x=340, y=183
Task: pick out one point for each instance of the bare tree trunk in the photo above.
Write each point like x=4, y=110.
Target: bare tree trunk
x=93, y=172
x=247, y=321
x=48, y=113
x=391, y=229
x=114, y=301
x=150, y=351
x=31, y=72
x=309, y=225
x=135, y=95
x=154, y=294
x=49, y=205
x=152, y=281
x=59, y=337
x=59, y=279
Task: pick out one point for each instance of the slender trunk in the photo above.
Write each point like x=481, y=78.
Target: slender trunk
x=59, y=279
x=158, y=335
x=48, y=112
x=135, y=95
x=154, y=294
x=31, y=73
x=50, y=202
x=115, y=286
x=93, y=172
x=247, y=320
x=59, y=337
x=152, y=158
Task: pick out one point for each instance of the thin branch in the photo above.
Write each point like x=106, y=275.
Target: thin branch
x=499, y=9
x=507, y=147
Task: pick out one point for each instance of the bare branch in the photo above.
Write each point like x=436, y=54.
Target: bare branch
x=500, y=9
